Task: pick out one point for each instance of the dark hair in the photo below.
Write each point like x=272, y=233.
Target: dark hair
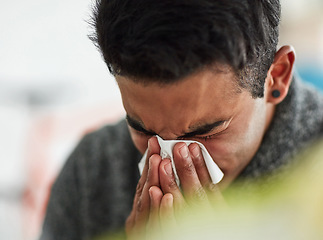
x=167, y=40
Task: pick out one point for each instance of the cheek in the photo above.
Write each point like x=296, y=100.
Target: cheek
x=220, y=151
x=140, y=141
x=224, y=153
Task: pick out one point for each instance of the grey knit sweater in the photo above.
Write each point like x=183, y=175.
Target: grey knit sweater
x=93, y=193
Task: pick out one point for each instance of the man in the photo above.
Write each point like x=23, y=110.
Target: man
x=204, y=70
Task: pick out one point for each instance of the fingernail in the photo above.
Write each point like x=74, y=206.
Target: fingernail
x=168, y=169
x=149, y=143
x=195, y=152
x=183, y=151
x=150, y=192
x=170, y=200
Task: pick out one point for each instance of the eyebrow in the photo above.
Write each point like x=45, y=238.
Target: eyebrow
x=201, y=130
x=138, y=126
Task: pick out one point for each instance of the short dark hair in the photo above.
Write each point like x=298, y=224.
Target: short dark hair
x=167, y=40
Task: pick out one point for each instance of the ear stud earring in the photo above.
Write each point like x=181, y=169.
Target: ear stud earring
x=275, y=93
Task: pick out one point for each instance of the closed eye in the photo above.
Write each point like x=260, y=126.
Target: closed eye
x=205, y=138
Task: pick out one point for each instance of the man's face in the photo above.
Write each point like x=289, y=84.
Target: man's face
x=207, y=107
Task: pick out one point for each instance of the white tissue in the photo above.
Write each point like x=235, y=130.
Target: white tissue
x=166, y=151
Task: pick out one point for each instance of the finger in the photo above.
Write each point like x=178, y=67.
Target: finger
x=130, y=223
x=187, y=174
x=199, y=164
x=166, y=212
x=215, y=196
x=143, y=203
x=169, y=185
x=212, y=190
x=153, y=226
x=153, y=148
x=133, y=232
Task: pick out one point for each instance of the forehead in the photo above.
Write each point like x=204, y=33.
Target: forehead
x=201, y=98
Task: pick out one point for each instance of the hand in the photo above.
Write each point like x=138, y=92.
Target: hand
x=138, y=218
x=161, y=215
x=152, y=209
x=196, y=183
x=158, y=197
x=167, y=201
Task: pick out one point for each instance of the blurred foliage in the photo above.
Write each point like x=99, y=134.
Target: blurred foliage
x=291, y=210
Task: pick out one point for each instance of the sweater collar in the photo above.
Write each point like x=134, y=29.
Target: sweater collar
x=297, y=121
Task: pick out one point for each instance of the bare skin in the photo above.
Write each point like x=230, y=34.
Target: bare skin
x=173, y=112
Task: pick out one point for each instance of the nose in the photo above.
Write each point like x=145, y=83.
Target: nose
x=167, y=135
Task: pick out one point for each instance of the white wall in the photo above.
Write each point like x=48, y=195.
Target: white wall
x=48, y=65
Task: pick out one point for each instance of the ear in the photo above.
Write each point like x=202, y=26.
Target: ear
x=279, y=76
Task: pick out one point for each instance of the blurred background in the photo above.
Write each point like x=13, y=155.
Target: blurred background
x=55, y=87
